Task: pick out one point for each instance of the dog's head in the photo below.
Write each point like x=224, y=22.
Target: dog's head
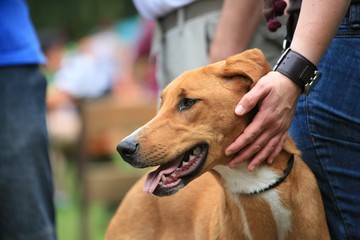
x=195, y=123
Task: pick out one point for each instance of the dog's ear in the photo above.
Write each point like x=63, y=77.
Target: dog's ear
x=250, y=63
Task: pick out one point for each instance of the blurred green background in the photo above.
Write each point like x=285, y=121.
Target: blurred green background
x=78, y=17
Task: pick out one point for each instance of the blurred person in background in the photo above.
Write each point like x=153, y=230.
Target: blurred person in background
x=79, y=73
x=88, y=70
x=26, y=186
x=190, y=34
x=100, y=65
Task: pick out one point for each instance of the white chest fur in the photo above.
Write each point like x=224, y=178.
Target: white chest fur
x=240, y=181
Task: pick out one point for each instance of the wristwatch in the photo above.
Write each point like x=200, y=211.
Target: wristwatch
x=299, y=69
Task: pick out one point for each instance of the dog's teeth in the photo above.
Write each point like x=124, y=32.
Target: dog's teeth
x=192, y=157
x=197, y=151
x=163, y=178
x=184, y=163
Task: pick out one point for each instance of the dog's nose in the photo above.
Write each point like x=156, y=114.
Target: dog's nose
x=127, y=148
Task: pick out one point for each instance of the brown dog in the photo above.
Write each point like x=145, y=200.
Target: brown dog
x=187, y=138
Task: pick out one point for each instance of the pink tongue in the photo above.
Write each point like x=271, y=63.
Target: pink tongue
x=154, y=177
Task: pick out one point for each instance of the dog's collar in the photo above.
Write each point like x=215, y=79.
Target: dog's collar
x=279, y=180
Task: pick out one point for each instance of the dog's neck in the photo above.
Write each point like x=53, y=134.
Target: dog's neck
x=279, y=180
x=240, y=181
x=245, y=186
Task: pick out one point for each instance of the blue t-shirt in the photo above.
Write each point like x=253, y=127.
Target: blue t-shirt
x=18, y=41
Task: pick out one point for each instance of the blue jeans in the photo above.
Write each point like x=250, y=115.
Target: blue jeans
x=326, y=128
x=26, y=188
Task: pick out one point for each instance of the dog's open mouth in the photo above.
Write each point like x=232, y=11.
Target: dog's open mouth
x=174, y=175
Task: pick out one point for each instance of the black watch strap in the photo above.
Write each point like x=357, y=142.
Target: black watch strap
x=299, y=69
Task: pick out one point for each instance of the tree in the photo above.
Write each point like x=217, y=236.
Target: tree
x=78, y=17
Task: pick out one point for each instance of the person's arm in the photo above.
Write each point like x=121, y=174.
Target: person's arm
x=318, y=23
x=276, y=95
x=238, y=21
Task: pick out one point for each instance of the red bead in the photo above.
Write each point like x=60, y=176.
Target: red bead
x=273, y=24
x=279, y=7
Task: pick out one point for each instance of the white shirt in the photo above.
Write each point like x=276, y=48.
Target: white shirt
x=90, y=73
x=152, y=9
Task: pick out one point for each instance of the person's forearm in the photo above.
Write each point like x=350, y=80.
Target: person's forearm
x=238, y=21
x=318, y=23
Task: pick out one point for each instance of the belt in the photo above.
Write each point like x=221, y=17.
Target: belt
x=192, y=10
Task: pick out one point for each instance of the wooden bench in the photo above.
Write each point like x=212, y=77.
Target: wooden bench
x=105, y=122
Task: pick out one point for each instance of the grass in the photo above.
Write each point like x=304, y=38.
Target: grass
x=68, y=217
x=68, y=204
x=68, y=221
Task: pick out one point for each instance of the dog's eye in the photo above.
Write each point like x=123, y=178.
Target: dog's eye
x=186, y=103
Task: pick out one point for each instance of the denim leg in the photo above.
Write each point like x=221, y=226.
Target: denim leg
x=26, y=188
x=326, y=128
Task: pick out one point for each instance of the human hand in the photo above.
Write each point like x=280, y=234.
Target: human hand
x=276, y=97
